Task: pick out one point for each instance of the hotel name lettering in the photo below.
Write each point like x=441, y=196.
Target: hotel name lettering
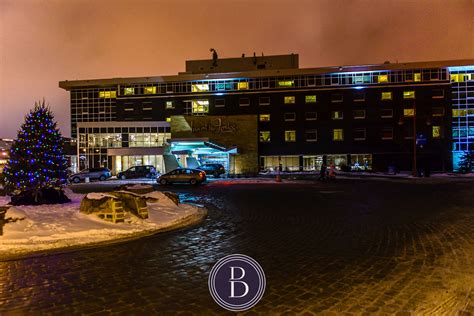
x=215, y=126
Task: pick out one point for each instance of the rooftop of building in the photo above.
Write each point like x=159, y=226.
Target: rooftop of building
x=256, y=67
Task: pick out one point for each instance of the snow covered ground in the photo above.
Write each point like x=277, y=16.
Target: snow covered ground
x=48, y=227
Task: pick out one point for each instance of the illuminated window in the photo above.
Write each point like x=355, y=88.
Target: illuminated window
x=437, y=111
x=417, y=76
x=289, y=100
x=459, y=113
x=169, y=105
x=286, y=83
x=290, y=116
x=460, y=77
x=408, y=94
x=264, y=100
x=168, y=119
x=338, y=134
x=220, y=103
x=128, y=91
x=264, y=117
x=311, y=135
x=359, y=134
x=337, y=115
x=149, y=90
x=264, y=136
x=290, y=136
x=436, y=131
x=387, y=113
x=107, y=94
x=408, y=112
x=199, y=87
x=221, y=86
x=310, y=99
x=200, y=106
x=243, y=85
x=359, y=114
x=382, y=78
x=386, y=95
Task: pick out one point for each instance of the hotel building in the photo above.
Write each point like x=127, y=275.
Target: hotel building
x=254, y=113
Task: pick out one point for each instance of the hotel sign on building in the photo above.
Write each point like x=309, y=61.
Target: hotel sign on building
x=237, y=132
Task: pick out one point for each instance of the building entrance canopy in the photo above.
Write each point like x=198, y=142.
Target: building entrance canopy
x=198, y=146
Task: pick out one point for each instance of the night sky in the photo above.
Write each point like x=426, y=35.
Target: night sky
x=43, y=42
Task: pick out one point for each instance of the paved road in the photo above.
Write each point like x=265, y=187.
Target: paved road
x=350, y=246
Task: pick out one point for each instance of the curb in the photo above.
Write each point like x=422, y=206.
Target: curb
x=183, y=223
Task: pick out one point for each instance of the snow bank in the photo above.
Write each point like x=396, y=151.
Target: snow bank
x=48, y=227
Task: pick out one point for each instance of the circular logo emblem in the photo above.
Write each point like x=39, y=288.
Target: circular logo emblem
x=237, y=282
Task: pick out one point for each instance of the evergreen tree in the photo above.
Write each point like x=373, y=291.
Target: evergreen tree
x=36, y=159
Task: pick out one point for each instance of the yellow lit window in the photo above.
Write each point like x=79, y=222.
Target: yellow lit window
x=417, y=76
x=149, y=90
x=290, y=136
x=168, y=119
x=200, y=87
x=264, y=136
x=387, y=95
x=129, y=91
x=408, y=112
x=264, y=117
x=408, y=94
x=382, y=78
x=436, y=131
x=200, y=106
x=169, y=105
x=459, y=113
x=107, y=94
x=310, y=99
x=286, y=83
x=460, y=77
x=337, y=115
x=338, y=134
x=243, y=85
x=289, y=99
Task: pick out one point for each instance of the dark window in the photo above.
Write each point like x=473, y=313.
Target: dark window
x=264, y=101
x=386, y=113
x=387, y=133
x=438, y=94
x=220, y=103
x=244, y=101
x=311, y=135
x=359, y=96
x=310, y=116
x=359, y=114
x=438, y=111
x=335, y=98
x=359, y=134
x=290, y=116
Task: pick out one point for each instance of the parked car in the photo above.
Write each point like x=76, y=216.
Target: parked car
x=213, y=168
x=182, y=175
x=92, y=173
x=147, y=171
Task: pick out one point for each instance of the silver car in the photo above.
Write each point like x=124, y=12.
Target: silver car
x=92, y=173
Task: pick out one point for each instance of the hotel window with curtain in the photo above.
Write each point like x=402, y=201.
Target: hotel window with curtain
x=264, y=136
x=200, y=106
x=107, y=94
x=149, y=90
x=290, y=136
x=264, y=117
x=408, y=94
x=285, y=83
x=128, y=91
x=386, y=95
x=310, y=99
x=200, y=87
x=289, y=99
x=338, y=134
x=436, y=131
x=243, y=85
x=408, y=112
x=382, y=78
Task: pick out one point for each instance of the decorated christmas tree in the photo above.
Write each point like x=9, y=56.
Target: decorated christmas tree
x=37, y=166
